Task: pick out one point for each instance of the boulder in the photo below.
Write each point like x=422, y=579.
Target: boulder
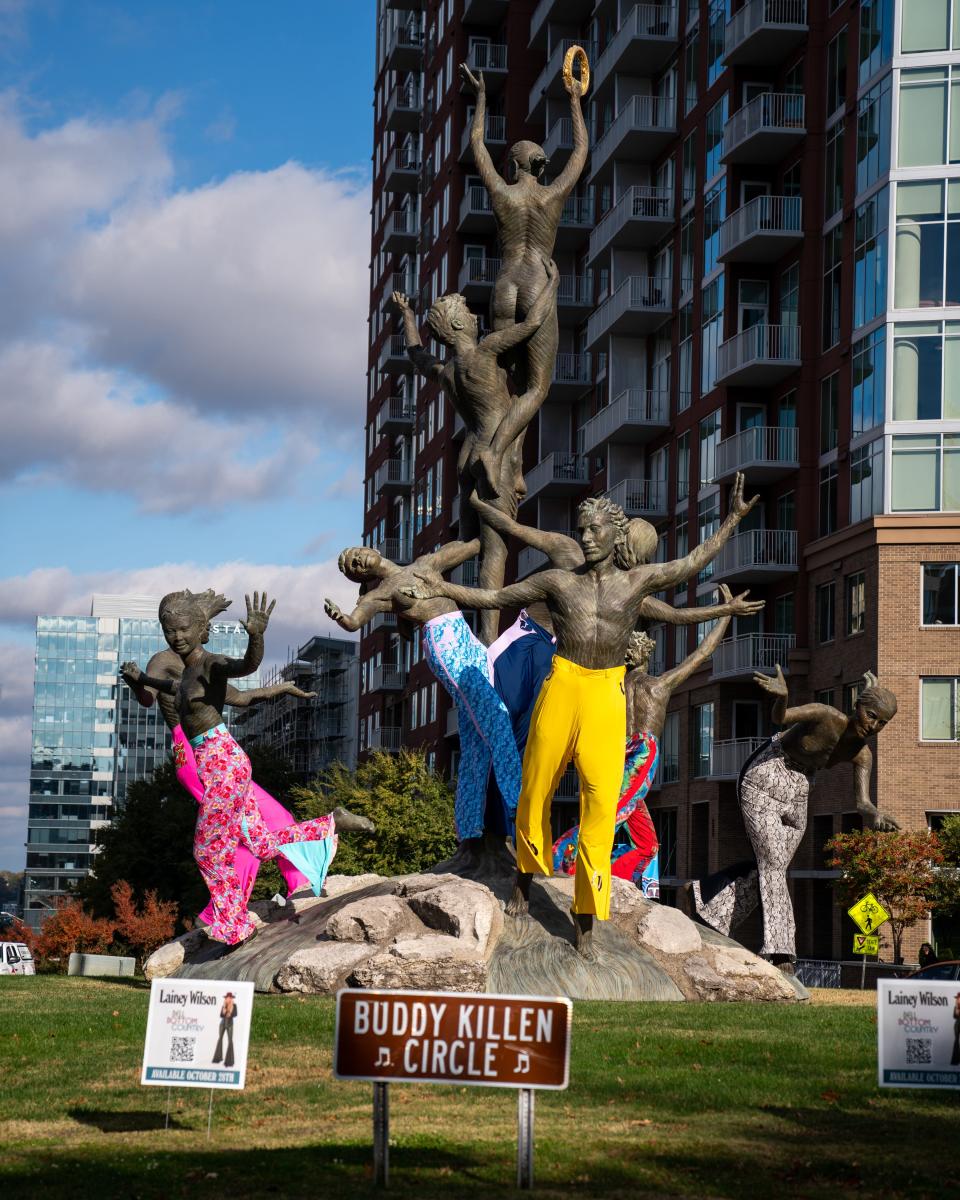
x=321, y=969
x=430, y=964
x=464, y=910
x=668, y=930
x=336, y=885
x=372, y=919
x=169, y=958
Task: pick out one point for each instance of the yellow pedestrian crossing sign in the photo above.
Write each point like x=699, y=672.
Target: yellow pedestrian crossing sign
x=868, y=914
x=865, y=943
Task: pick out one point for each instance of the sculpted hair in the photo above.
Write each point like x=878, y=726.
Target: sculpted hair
x=880, y=698
x=639, y=648
x=601, y=506
x=638, y=546
x=343, y=562
x=445, y=312
x=186, y=602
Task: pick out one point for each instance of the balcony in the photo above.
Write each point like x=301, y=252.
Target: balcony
x=491, y=59
x=640, y=131
x=764, y=454
x=387, y=737
x=562, y=12
x=484, y=12
x=645, y=498
x=641, y=46
x=576, y=221
x=550, y=81
x=764, y=32
x=395, y=415
x=403, y=170
x=574, y=298
x=477, y=277
x=643, y=215
x=401, y=232
x=763, y=230
x=758, y=356
x=766, y=129
x=399, y=281
x=633, y=418
x=752, y=652
x=467, y=574
x=639, y=305
x=476, y=211
x=387, y=679
x=395, y=475
x=412, y=5
x=405, y=107
x=384, y=620
x=757, y=556
x=455, y=510
x=559, y=144
x=494, y=136
x=559, y=474
x=530, y=559
x=397, y=550
x=405, y=47
x=394, y=357
x=571, y=378
x=727, y=758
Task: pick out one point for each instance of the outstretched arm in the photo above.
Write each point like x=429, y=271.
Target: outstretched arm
x=452, y=555
x=656, y=610
x=247, y=699
x=137, y=680
x=422, y=359
x=660, y=575
x=776, y=686
x=258, y=615
x=862, y=771
x=562, y=551
x=367, y=608
x=693, y=662
x=481, y=156
x=516, y=594
x=567, y=179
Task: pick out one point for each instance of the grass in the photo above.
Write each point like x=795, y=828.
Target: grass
x=665, y=1100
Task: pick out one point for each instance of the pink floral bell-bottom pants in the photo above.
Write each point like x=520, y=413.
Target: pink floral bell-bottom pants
x=229, y=818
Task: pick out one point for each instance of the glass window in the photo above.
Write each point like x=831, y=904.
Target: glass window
x=790, y=295
x=926, y=473
x=829, y=412
x=832, y=251
x=825, y=597
x=856, y=589
x=833, y=172
x=925, y=26
x=702, y=740
x=716, y=119
x=786, y=516
x=686, y=254
x=924, y=123
x=671, y=748
x=691, y=51
x=926, y=371
x=938, y=709
x=828, y=499
x=866, y=481
x=685, y=358
x=711, y=334
x=869, y=368
x=837, y=72
x=714, y=212
x=873, y=134
x=870, y=260
x=709, y=440
x=683, y=466
x=708, y=522
x=928, y=245
x=689, y=169
x=940, y=594
x=665, y=824
x=876, y=36
x=783, y=615
x=717, y=20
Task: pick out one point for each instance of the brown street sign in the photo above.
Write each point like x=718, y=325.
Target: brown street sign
x=453, y=1037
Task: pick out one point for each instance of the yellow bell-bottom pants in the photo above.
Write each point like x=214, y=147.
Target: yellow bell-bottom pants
x=580, y=714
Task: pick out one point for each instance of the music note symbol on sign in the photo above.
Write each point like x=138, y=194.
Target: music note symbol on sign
x=523, y=1063
x=383, y=1057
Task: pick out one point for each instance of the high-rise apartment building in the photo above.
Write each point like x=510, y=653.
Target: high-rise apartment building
x=91, y=737
x=309, y=734
x=761, y=273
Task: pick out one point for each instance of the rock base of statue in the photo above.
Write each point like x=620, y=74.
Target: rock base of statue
x=446, y=930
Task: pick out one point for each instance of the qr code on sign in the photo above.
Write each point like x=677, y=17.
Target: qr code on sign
x=181, y=1049
x=918, y=1052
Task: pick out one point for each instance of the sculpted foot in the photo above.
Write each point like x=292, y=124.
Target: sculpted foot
x=583, y=930
x=519, y=903
x=348, y=822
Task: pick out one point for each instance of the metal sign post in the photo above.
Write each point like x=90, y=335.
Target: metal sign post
x=525, y=1113
x=381, y=1134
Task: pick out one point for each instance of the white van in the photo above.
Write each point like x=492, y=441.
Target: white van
x=16, y=959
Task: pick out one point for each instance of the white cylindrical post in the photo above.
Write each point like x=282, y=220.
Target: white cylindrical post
x=525, y=1098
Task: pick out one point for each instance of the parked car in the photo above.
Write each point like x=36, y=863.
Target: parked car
x=16, y=959
x=948, y=969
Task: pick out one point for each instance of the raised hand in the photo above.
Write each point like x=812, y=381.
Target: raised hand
x=130, y=672
x=401, y=301
x=776, y=685
x=291, y=689
x=738, y=506
x=333, y=611
x=258, y=614
x=474, y=83
x=573, y=85
x=885, y=824
x=740, y=606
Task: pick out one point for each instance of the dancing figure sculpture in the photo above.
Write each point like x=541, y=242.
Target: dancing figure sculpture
x=581, y=710
x=774, y=789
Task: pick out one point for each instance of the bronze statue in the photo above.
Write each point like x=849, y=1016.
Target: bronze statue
x=476, y=385
x=774, y=789
x=581, y=709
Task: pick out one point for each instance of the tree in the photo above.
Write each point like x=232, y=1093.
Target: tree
x=12, y=929
x=411, y=805
x=146, y=928
x=70, y=929
x=900, y=868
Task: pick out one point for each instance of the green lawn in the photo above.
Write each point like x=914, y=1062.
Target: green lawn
x=665, y=1099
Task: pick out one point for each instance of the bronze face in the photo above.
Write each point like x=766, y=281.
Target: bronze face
x=598, y=535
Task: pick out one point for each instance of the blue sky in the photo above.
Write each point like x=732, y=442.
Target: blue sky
x=184, y=245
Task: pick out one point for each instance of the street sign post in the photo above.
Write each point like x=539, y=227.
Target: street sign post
x=467, y=1039
x=864, y=943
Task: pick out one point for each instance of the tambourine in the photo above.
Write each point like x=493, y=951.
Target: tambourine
x=574, y=54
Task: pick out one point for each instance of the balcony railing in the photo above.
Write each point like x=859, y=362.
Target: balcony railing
x=558, y=145
x=476, y=210
x=397, y=550
x=403, y=169
x=396, y=412
x=639, y=131
x=751, y=652
x=764, y=31
x=571, y=371
x=494, y=134
x=575, y=291
x=727, y=757
x=388, y=679
x=640, y=497
x=550, y=80
x=530, y=559
x=394, y=356
x=401, y=230
x=405, y=47
x=640, y=217
x=395, y=472
x=643, y=43
x=759, y=355
x=635, y=416
x=638, y=306
x=467, y=574
x=404, y=106
x=763, y=453
x=383, y=620
x=478, y=274
x=577, y=212
x=762, y=230
x=387, y=737
x=487, y=57
x=757, y=554
x=558, y=472
x=764, y=130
